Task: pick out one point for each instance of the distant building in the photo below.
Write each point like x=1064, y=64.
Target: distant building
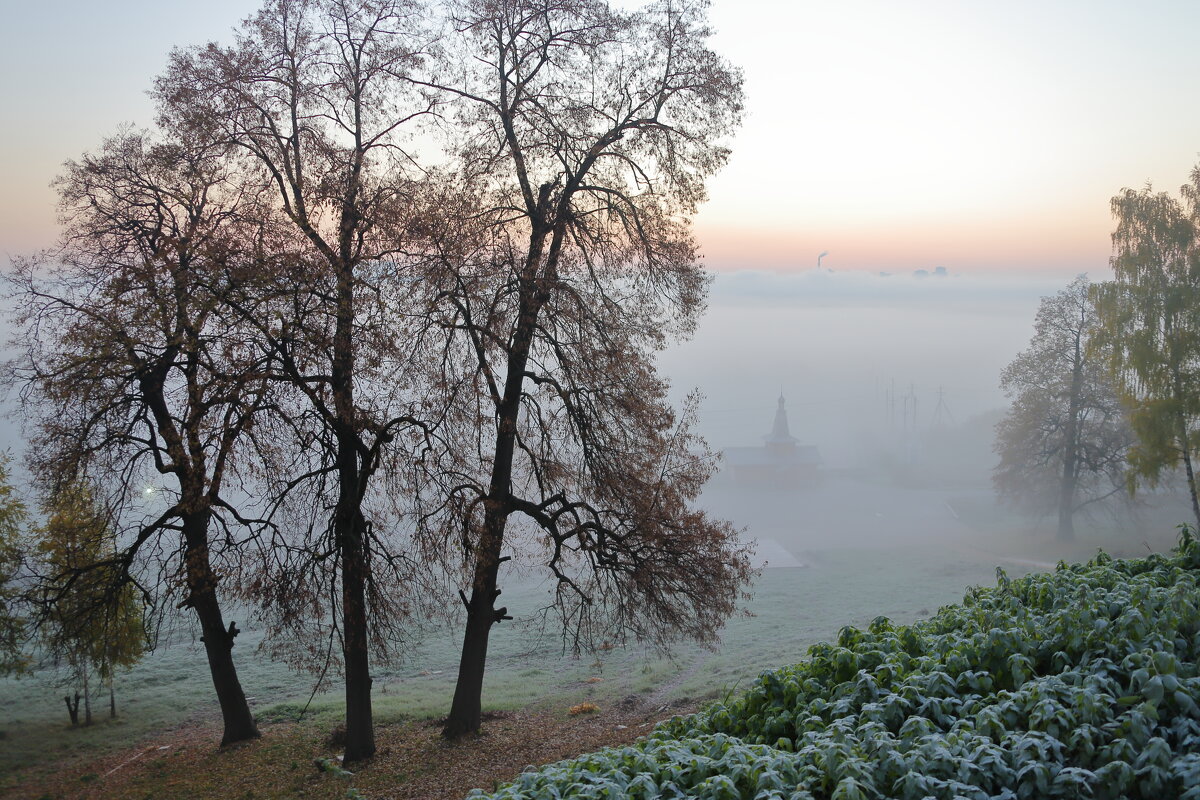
x=781, y=461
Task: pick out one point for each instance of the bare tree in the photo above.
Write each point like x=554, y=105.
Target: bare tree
x=585, y=136
x=136, y=387
x=313, y=92
x=1063, y=443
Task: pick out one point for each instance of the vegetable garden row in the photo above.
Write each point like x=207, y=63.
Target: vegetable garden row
x=1077, y=683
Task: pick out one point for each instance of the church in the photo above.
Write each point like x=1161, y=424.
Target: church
x=780, y=462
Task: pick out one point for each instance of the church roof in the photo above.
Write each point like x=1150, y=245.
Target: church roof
x=806, y=454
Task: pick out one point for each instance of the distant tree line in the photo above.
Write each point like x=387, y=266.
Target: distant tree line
x=372, y=310
x=1107, y=397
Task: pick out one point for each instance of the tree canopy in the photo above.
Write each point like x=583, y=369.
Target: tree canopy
x=387, y=275
x=584, y=135
x=1150, y=325
x=12, y=622
x=95, y=620
x=1063, y=442
x=317, y=100
x=135, y=382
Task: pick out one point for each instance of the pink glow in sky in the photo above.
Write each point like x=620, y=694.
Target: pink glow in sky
x=990, y=243
x=973, y=135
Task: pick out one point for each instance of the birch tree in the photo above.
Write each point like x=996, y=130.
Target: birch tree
x=95, y=622
x=12, y=619
x=1150, y=318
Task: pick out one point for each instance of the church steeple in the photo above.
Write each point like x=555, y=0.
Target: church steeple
x=780, y=437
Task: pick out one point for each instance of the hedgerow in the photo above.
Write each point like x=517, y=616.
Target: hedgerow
x=1078, y=683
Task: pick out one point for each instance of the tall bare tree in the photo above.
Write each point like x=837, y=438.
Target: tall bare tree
x=134, y=384
x=1062, y=444
x=585, y=136
x=313, y=92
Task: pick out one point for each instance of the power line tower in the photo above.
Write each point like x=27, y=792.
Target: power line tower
x=941, y=413
x=910, y=404
x=889, y=399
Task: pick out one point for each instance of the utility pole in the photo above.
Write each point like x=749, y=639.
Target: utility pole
x=941, y=409
x=890, y=403
x=910, y=401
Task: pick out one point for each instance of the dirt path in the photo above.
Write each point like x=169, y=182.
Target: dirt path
x=413, y=761
x=659, y=699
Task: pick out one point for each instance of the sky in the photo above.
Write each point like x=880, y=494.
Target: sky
x=978, y=136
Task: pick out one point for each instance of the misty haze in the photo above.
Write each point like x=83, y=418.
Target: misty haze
x=526, y=399
x=890, y=385
x=894, y=381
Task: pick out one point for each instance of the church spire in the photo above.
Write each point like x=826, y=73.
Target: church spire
x=780, y=435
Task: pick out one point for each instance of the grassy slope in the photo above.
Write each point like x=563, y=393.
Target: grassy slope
x=793, y=609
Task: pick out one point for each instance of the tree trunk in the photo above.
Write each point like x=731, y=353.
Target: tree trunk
x=360, y=730
x=1066, y=496
x=73, y=710
x=87, y=700
x=112, y=699
x=1185, y=447
x=1070, y=469
x=349, y=526
x=1185, y=444
x=1191, y=482
x=218, y=640
x=466, y=711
